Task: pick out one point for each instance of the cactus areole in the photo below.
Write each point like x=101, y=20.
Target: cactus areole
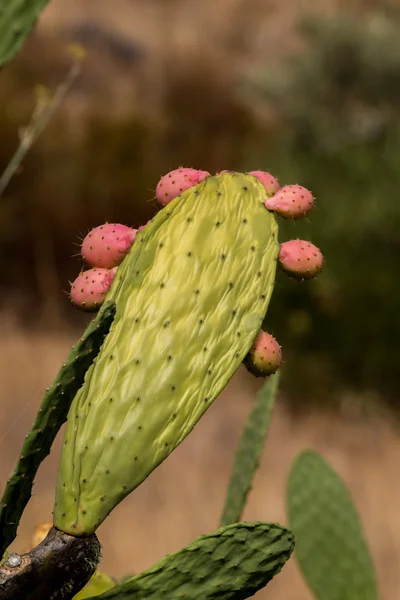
x=191, y=296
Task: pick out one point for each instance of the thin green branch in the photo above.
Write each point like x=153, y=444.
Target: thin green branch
x=249, y=451
x=44, y=110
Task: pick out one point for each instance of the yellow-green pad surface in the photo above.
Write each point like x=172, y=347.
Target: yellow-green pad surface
x=191, y=296
x=97, y=584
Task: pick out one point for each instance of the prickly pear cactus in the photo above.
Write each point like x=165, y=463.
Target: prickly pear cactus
x=50, y=417
x=231, y=563
x=330, y=545
x=17, y=19
x=249, y=452
x=191, y=296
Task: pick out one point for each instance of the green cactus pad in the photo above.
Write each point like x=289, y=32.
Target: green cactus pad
x=233, y=563
x=249, y=451
x=97, y=584
x=330, y=545
x=191, y=296
x=17, y=19
x=52, y=414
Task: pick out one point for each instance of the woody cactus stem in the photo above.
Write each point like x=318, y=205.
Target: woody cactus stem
x=58, y=568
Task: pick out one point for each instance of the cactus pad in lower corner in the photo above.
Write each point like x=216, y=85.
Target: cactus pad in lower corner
x=330, y=545
x=231, y=563
x=191, y=296
x=17, y=19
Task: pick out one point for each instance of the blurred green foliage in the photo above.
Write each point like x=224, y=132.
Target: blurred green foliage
x=338, y=106
x=335, y=129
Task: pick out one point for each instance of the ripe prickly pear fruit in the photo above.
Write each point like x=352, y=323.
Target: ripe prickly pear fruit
x=265, y=356
x=178, y=181
x=270, y=183
x=291, y=202
x=300, y=259
x=107, y=245
x=91, y=287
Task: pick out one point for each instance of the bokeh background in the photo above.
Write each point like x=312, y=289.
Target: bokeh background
x=309, y=91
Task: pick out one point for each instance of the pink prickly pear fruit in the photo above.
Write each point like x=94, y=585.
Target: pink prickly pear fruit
x=300, y=259
x=270, y=183
x=107, y=245
x=178, y=181
x=265, y=355
x=91, y=287
x=291, y=202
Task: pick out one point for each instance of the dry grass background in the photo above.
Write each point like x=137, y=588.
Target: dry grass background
x=183, y=498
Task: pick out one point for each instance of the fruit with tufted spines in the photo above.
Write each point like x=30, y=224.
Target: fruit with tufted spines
x=90, y=288
x=300, y=259
x=178, y=181
x=265, y=355
x=270, y=182
x=291, y=202
x=107, y=245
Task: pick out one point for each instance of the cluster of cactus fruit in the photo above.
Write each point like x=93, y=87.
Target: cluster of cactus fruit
x=105, y=247
x=180, y=303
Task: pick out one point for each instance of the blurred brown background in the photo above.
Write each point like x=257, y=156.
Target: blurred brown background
x=307, y=90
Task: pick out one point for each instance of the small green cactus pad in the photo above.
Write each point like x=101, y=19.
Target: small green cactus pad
x=97, y=584
x=191, y=296
x=231, y=563
x=249, y=451
x=330, y=545
x=52, y=414
x=17, y=19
